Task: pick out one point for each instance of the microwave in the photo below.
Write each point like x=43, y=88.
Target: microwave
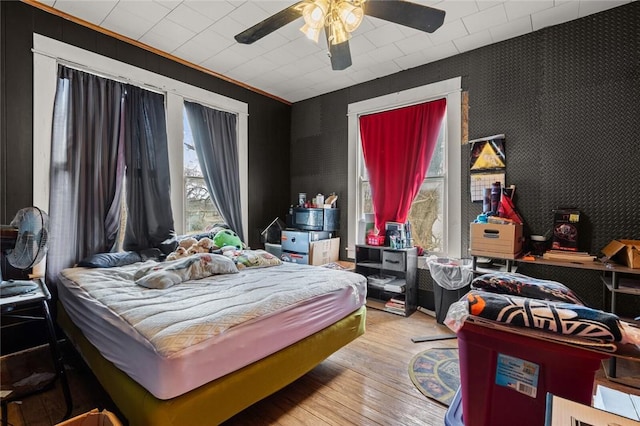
x=315, y=219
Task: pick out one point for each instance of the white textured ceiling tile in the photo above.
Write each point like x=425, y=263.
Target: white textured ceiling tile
x=440, y=51
x=384, y=35
x=410, y=61
x=189, y=18
x=203, y=46
x=274, y=6
x=303, y=47
x=387, y=53
x=48, y=2
x=123, y=22
x=561, y=13
x=95, y=12
x=147, y=10
x=249, y=14
x=450, y=31
x=159, y=40
x=213, y=10
x=518, y=8
x=169, y=4
x=228, y=27
x=362, y=75
x=226, y=60
x=457, y=9
x=588, y=7
x=486, y=18
x=473, y=41
x=511, y=29
x=360, y=45
x=487, y=4
x=281, y=56
x=178, y=34
x=414, y=44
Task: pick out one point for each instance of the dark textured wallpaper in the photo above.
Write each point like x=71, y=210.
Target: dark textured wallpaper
x=566, y=98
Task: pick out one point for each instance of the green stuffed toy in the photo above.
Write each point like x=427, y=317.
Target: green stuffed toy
x=227, y=238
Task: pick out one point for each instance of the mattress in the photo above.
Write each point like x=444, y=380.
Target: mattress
x=174, y=340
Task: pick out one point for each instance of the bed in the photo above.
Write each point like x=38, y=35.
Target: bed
x=200, y=351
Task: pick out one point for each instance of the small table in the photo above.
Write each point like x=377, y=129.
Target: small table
x=39, y=297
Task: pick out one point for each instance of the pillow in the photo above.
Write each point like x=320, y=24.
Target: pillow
x=522, y=285
x=200, y=265
x=255, y=259
x=110, y=260
x=555, y=317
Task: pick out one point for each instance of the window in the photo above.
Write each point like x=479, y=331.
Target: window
x=435, y=213
x=49, y=52
x=200, y=211
x=427, y=210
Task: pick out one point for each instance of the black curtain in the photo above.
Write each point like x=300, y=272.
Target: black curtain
x=216, y=143
x=87, y=168
x=149, y=215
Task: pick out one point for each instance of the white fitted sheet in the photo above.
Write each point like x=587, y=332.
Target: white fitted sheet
x=174, y=340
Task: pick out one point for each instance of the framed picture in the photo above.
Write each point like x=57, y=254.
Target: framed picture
x=563, y=412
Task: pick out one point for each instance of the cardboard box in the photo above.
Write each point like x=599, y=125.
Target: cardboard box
x=493, y=240
x=625, y=252
x=93, y=418
x=324, y=251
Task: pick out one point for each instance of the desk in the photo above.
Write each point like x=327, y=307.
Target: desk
x=614, y=283
x=37, y=298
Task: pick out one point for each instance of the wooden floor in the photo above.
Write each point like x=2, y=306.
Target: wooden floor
x=364, y=383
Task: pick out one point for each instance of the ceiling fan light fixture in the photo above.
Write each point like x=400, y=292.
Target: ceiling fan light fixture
x=312, y=34
x=314, y=13
x=338, y=33
x=350, y=15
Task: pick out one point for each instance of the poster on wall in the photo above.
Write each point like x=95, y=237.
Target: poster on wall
x=488, y=164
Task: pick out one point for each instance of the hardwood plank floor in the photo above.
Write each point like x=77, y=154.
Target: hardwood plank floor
x=364, y=383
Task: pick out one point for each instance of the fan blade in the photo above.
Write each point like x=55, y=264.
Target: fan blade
x=423, y=18
x=340, y=54
x=271, y=24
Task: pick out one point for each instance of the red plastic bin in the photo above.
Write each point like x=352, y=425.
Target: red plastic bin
x=566, y=371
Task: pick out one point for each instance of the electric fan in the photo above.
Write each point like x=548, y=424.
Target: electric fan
x=24, y=243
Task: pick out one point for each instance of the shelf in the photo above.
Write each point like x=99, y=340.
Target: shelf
x=625, y=285
x=369, y=264
x=380, y=305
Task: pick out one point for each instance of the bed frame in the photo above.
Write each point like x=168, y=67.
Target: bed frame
x=220, y=399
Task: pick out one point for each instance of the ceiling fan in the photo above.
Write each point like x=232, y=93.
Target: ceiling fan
x=339, y=18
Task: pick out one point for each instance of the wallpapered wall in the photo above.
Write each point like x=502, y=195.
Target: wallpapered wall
x=566, y=97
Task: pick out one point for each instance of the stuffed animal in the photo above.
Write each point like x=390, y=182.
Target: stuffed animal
x=178, y=254
x=206, y=243
x=227, y=237
x=195, y=249
x=186, y=243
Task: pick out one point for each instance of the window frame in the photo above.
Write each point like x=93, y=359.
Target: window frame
x=450, y=89
x=48, y=53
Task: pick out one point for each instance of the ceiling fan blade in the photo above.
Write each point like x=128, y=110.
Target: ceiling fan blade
x=423, y=18
x=340, y=55
x=270, y=24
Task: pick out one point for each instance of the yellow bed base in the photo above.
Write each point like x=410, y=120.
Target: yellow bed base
x=219, y=400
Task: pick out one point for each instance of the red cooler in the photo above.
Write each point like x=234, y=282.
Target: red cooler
x=505, y=376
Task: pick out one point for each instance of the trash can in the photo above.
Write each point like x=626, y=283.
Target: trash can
x=453, y=280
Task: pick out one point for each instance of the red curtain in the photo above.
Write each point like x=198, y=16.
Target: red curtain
x=397, y=147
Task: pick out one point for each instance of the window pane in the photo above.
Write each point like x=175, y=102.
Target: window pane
x=426, y=216
x=436, y=167
x=200, y=212
x=366, y=202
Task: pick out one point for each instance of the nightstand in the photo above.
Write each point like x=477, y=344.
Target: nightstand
x=12, y=307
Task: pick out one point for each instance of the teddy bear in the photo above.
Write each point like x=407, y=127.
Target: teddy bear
x=207, y=244
x=186, y=243
x=179, y=253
